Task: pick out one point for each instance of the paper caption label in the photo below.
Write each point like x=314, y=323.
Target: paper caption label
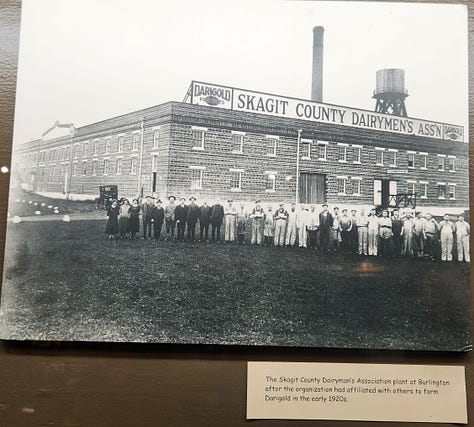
x=351, y=391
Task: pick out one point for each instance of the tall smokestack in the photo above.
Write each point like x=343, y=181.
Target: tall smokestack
x=318, y=48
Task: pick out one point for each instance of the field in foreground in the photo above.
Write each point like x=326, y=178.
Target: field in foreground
x=67, y=281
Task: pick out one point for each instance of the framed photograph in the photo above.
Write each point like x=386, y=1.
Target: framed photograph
x=242, y=173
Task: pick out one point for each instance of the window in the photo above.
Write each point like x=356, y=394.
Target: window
x=55, y=152
x=341, y=185
x=356, y=153
x=271, y=146
x=86, y=149
x=74, y=151
x=270, y=181
x=84, y=168
x=424, y=190
x=154, y=162
x=118, y=169
x=95, y=147
x=441, y=190
x=63, y=153
x=237, y=142
x=424, y=160
x=196, y=178
x=441, y=163
x=451, y=191
x=68, y=153
x=411, y=187
x=156, y=138
x=106, y=166
x=135, y=142
x=379, y=156
x=450, y=163
x=52, y=170
x=107, y=146
x=198, y=135
x=356, y=186
x=120, y=144
x=235, y=180
x=74, y=169
x=342, y=153
x=134, y=165
x=392, y=158
x=411, y=160
x=94, y=167
x=306, y=149
x=322, y=151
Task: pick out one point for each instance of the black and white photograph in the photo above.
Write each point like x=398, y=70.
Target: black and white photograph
x=257, y=173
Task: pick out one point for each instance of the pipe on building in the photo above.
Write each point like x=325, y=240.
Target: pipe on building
x=317, y=76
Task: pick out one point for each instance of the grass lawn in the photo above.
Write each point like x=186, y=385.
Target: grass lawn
x=67, y=281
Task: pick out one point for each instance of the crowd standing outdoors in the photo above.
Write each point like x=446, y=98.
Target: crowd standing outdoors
x=358, y=232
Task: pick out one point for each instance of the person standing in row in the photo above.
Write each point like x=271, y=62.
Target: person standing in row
x=419, y=235
x=385, y=234
x=112, y=227
x=354, y=233
x=397, y=231
x=170, y=219
x=123, y=218
x=258, y=218
x=463, y=230
x=217, y=216
x=312, y=227
x=157, y=214
x=229, y=213
x=134, y=221
x=345, y=227
x=362, y=232
x=241, y=224
x=372, y=233
x=280, y=225
x=302, y=221
x=268, y=229
x=146, y=219
x=447, y=230
x=180, y=214
x=335, y=231
x=430, y=234
x=408, y=235
x=291, y=226
x=192, y=216
x=325, y=226
x=205, y=212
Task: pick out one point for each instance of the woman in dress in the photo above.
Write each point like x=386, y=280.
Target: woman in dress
x=134, y=220
x=112, y=227
x=123, y=218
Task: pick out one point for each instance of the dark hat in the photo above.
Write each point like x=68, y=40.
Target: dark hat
x=148, y=197
x=159, y=201
x=171, y=197
x=192, y=198
x=353, y=210
x=344, y=210
x=335, y=207
x=257, y=201
x=282, y=204
x=325, y=204
x=229, y=201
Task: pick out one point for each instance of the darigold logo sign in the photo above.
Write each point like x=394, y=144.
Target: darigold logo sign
x=455, y=133
x=211, y=95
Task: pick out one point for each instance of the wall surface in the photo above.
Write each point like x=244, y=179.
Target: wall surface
x=65, y=384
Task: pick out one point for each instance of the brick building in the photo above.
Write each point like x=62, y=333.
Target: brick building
x=221, y=145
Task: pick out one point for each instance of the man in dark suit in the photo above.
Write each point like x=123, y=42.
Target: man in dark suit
x=180, y=215
x=325, y=225
x=146, y=218
x=157, y=214
x=217, y=216
x=205, y=212
x=192, y=219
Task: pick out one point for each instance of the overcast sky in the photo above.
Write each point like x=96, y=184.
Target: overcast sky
x=82, y=61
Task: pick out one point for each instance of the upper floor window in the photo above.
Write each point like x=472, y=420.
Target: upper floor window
x=441, y=162
x=450, y=163
x=135, y=141
x=379, y=156
x=95, y=147
x=156, y=138
x=270, y=181
x=238, y=142
x=424, y=160
x=120, y=142
x=196, y=177
x=107, y=146
x=271, y=145
x=411, y=160
x=86, y=149
x=198, y=135
x=235, y=180
x=342, y=153
x=356, y=153
x=322, y=150
x=392, y=158
x=305, y=149
x=134, y=165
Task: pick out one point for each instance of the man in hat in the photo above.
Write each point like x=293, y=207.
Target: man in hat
x=462, y=239
x=335, y=238
x=385, y=234
x=157, y=214
x=281, y=216
x=205, y=212
x=291, y=227
x=258, y=217
x=362, y=232
x=230, y=214
x=170, y=219
x=217, y=216
x=241, y=220
x=431, y=236
x=181, y=214
x=408, y=235
x=192, y=216
x=312, y=227
x=302, y=222
x=354, y=240
x=325, y=225
x=419, y=234
x=397, y=230
x=373, y=233
x=146, y=217
x=345, y=227
x=446, y=231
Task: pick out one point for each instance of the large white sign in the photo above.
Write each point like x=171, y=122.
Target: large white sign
x=274, y=105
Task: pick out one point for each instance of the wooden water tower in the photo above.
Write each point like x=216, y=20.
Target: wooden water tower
x=390, y=92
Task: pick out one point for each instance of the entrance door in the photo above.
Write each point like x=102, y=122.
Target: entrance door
x=312, y=188
x=383, y=189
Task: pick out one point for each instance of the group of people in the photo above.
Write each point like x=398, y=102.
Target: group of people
x=388, y=235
